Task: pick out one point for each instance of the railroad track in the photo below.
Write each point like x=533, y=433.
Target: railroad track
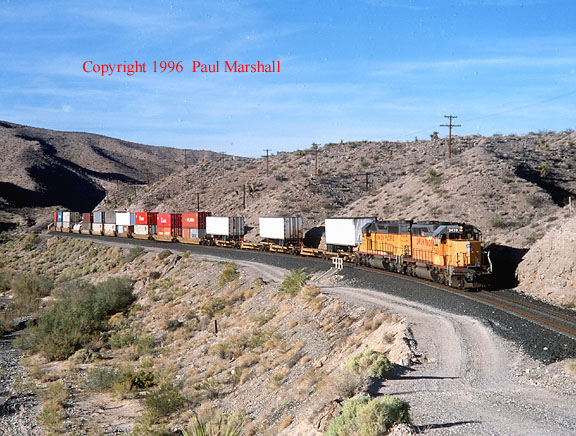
x=541, y=314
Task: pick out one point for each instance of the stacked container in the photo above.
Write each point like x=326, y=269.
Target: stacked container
x=231, y=227
x=194, y=224
x=110, y=223
x=86, y=222
x=125, y=222
x=58, y=219
x=98, y=223
x=281, y=228
x=169, y=224
x=69, y=219
x=345, y=233
x=145, y=223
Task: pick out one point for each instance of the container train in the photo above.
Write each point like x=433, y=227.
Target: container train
x=444, y=252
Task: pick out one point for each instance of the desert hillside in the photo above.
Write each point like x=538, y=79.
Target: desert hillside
x=198, y=338
x=43, y=169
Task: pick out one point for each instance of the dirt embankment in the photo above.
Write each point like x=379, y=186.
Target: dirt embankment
x=548, y=270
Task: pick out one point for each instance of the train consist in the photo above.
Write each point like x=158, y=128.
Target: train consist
x=444, y=252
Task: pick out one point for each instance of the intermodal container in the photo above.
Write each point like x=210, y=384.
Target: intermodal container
x=97, y=227
x=59, y=215
x=146, y=218
x=125, y=218
x=194, y=220
x=66, y=217
x=109, y=227
x=98, y=217
x=225, y=225
x=284, y=228
x=109, y=217
x=193, y=233
x=86, y=218
x=169, y=231
x=125, y=230
x=169, y=220
x=144, y=229
x=346, y=232
x=55, y=216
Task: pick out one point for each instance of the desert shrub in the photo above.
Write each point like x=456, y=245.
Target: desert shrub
x=145, y=344
x=213, y=307
x=186, y=254
x=163, y=401
x=4, y=281
x=545, y=169
x=102, y=379
x=53, y=414
x=80, y=313
x=164, y=254
x=433, y=176
x=31, y=285
x=370, y=362
x=172, y=324
x=30, y=241
x=365, y=417
x=293, y=282
x=221, y=426
x=534, y=200
x=133, y=253
x=224, y=351
x=229, y=273
x=121, y=340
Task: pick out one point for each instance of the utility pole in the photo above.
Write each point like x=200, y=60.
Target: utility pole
x=198, y=201
x=367, y=184
x=185, y=160
x=315, y=147
x=267, y=166
x=244, y=195
x=451, y=117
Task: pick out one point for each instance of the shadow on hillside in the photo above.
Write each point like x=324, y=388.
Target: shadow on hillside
x=505, y=262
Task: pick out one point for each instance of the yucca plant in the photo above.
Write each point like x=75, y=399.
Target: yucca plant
x=213, y=428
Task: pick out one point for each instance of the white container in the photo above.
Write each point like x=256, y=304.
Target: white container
x=225, y=225
x=125, y=218
x=345, y=231
x=283, y=228
x=97, y=228
x=140, y=229
x=109, y=227
x=66, y=224
x=66, y=217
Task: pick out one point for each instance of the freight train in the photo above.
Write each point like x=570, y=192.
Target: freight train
x=444, y=252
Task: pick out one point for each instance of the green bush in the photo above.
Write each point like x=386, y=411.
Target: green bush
x=30, y=241
x=134, y=253
x=80, y=313
x=369, y=362
x=365, y=417
x=4, y=281
x=214, y=427
x=121, y=340
x=293, y=282
x=229, y=274
x=164, y=254
x=433, y=176
x=163, y=401
x=102, y=379
x=214, y=306
x=31, y=285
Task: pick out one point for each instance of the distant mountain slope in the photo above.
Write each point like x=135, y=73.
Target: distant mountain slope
x=46, y=168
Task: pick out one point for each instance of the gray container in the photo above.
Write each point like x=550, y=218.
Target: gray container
x=225, y=225
x=98, y=217
x=284, y=228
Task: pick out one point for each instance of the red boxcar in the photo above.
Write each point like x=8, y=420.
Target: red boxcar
x=87, y=218
x=194, y=220
x=146, y=218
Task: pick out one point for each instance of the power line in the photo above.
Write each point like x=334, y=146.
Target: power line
x=450, y=132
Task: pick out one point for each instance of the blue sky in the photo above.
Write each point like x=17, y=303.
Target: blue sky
x=350, y=70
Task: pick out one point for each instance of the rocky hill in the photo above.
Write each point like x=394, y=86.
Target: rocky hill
x=43, y=169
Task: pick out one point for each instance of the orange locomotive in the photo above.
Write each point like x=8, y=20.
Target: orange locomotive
x=445, y=252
